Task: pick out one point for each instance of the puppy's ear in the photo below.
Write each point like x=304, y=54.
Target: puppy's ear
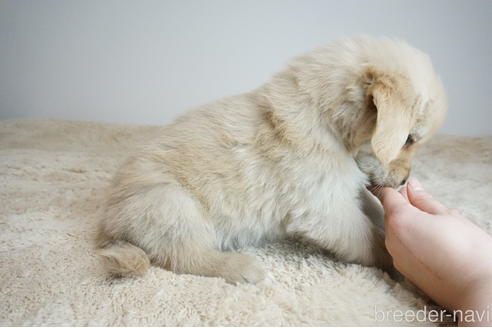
x=389, y=95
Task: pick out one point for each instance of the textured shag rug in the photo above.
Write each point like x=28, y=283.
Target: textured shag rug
x=52, y=176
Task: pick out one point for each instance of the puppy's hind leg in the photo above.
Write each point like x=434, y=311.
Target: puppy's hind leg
x=167, y=223
x=206, y=261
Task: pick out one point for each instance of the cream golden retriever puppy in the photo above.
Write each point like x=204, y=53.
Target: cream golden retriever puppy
x=291, y=158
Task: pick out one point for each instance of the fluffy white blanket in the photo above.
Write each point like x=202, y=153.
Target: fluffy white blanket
x=52, y=176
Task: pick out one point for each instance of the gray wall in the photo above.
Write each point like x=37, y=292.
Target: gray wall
x=148, y=61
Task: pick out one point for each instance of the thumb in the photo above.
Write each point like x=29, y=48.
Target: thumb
x=391, y=199
x=422, y=200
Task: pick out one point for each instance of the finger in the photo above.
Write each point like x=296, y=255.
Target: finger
x=454, y=211
x=391, y=199
x=422, y=200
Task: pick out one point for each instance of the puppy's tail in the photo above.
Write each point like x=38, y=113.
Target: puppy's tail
x=123, y=259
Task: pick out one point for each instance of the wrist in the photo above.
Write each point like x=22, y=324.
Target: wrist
x=476, y=305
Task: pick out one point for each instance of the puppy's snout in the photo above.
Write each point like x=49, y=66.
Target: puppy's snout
x=405, y=179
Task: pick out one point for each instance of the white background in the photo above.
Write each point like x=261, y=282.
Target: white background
x=148, y=61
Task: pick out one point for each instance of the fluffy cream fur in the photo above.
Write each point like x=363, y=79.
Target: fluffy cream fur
x=53, y=175
x=276, y=162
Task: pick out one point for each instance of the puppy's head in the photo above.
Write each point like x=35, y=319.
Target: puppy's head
x=400, y=112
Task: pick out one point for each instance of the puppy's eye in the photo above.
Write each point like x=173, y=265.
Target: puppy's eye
x=410, y=141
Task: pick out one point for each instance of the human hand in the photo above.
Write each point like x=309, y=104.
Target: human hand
x=444, y=254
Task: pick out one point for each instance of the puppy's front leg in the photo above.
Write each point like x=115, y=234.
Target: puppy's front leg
x=348, y=233
x=372, y=207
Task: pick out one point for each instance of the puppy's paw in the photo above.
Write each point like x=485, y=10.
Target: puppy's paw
x=240, y=268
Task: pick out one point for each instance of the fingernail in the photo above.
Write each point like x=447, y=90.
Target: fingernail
x=415, y=184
